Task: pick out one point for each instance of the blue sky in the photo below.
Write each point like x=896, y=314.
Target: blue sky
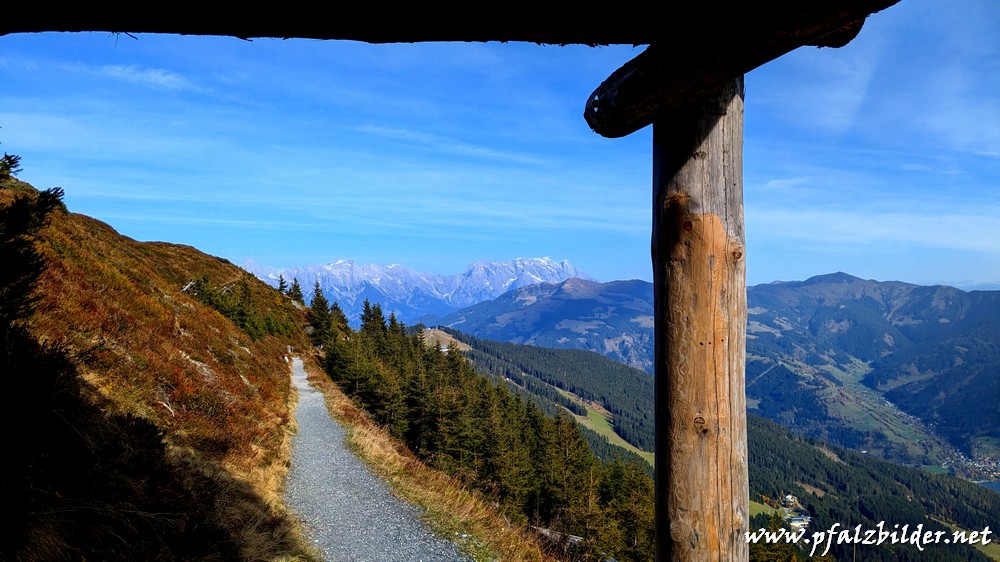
x=880, y=159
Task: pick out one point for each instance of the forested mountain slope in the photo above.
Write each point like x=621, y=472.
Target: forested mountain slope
x=626, y=394
x=932, y=352
x=613, y=319
x=838, y=486
x=835, y=485
x=892, y=368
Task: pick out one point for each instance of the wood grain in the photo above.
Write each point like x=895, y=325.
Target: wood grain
x=699, y=280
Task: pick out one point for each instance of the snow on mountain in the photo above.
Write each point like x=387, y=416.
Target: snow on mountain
x=412, y=294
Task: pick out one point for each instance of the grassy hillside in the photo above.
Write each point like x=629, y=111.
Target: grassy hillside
x=149, y=424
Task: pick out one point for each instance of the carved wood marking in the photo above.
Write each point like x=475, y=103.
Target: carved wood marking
x=700, y=299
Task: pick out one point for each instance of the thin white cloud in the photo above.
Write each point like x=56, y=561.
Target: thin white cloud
x=965, y=118
x=446, y=145
x=976, y=232
x=160, y=218
x=820, y=89
x=782, y=184
x=151, y=77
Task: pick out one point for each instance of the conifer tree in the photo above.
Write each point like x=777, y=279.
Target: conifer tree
x=507, y=447
x=627, y=491
x=372, y=319
x=10, y=165
x=568, y=461
x=282, y=284
x=295, y=292
x=319, y=316
x=395, y=326
x=242, y=308
x=371, y=344
x=338, y=320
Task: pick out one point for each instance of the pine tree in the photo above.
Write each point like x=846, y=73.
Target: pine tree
x=627, y=491
x=395, y=326
x=338, y=320
x=319, y=316
x=10, y=165
x=569, y=461
x=507, y=448
x=282, y=284
x=295, y=293
x=373, y=320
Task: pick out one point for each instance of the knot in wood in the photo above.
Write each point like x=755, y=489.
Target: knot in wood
x=735, y=249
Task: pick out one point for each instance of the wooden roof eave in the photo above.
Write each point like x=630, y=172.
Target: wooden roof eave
x=374, y=23
x=675, y=72
x=732, y=39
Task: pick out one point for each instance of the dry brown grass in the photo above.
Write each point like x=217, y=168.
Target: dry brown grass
x=451, y=510
x=223, y=400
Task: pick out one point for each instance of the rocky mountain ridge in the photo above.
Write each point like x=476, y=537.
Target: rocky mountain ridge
x=411, y=294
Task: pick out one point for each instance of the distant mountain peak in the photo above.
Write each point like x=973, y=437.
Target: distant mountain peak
x=838, y=277
x=412, y=294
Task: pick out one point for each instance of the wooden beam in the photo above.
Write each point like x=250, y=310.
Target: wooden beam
x=677, y=70
x=702, y=498
x=371, y=22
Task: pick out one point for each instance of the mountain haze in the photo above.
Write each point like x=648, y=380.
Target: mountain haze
x=614, y=319
x=411, y=294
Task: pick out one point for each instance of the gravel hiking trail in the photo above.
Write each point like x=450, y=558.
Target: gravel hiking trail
x=349, y=513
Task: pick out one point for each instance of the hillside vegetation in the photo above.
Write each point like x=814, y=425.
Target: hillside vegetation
x=148, y=401
x=146, y=424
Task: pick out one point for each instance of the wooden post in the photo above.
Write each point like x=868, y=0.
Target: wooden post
x=702, y=503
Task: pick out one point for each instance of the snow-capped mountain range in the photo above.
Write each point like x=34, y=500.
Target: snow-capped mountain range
x=411, y=294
